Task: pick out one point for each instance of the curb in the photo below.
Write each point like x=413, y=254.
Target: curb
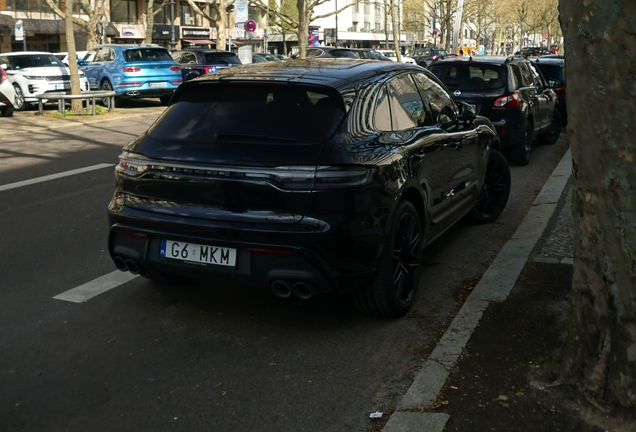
x=495, y=285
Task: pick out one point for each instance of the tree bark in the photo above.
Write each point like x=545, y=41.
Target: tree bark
x=600, y=350
x=303, y=27
x=76, y=104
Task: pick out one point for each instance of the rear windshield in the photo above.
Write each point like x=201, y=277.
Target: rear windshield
x=552, y=73
x=146, y=54
x=251, y=112
x=470, y=76
x=343, y=53
x=225, y=58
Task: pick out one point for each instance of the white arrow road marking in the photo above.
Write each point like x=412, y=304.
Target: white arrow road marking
x=53, y=176
x=96, y=287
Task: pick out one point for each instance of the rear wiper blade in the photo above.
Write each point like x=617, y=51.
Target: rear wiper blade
x=241, y=136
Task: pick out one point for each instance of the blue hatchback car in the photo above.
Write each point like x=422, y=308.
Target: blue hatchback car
x=132, y=71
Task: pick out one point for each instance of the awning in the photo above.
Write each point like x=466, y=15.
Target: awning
x=200, y=41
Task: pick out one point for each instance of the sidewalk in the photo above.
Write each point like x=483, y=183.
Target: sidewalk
x=477, y=378
x=29, y=121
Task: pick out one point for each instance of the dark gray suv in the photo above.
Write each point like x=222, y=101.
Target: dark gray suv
x=512, y=93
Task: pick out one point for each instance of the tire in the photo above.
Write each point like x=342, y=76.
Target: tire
x=495, y=190
x=552, y=135
x=393, y=289
x=520, y=154
x=107, y=86
x=7, y=111
x=19, y=104
x=165, y=100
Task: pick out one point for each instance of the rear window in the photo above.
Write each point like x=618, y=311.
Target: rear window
x=146, y=54
x=552, y=73
x=343, y=53
x=251, y=112
x=225, y=58
x=470, y=76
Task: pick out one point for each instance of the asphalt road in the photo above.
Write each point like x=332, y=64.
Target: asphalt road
x=200, y=357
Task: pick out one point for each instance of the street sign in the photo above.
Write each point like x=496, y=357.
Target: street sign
x=19, y=30
x=250, y=25
x=241, y=11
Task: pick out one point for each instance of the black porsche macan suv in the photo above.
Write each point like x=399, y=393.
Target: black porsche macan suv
x=512, y=93
x=307, y=177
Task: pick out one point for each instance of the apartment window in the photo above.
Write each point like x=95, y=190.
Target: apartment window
x=163, y=16
x=377, y=27
x=377, y=9
x=29, y=5
x=367, y=8
x=356, y=6
x=123, y=11
x=188, y=16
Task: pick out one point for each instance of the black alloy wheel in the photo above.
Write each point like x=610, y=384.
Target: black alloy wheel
x=20, y=104
x=392, y=292
x=495, y=190
x=553, y=134
x=520, y=154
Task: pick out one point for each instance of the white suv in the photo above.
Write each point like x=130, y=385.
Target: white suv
x=33, y=73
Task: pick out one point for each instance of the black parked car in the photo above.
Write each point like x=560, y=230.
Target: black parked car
x=425, y=56
x=369, y=54
x=330, y=52
x=195, y=62
x=553, y=70
x=512, y=93
x=307, y=177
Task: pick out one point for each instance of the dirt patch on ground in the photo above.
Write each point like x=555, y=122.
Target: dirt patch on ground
x=490, y=388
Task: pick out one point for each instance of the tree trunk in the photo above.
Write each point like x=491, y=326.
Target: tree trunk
x=150, y=20
x=396, y=36
x=303, y=27
x=76, y=104
x=600, y=351
x=221, y=28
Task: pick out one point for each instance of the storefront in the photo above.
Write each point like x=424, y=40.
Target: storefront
x=162, y=33
x=197, y=37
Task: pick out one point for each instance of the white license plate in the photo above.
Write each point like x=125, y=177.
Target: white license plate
x=196, y=253
x=62, y=86
x=158, y=84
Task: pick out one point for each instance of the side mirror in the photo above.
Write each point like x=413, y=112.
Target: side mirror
x=467, y=112
x=81, y=62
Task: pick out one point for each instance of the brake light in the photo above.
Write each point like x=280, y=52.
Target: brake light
x=3, y=76
x=434, y=57
x=175, y=68
x=209, y=69
x=131, y=69
x=559, y=90
x=177, y=82
x=511, y=101
x=131, y=167
x=130, y=84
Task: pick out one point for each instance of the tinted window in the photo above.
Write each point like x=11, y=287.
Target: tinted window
x=225, y=58
x=382, y=117
x=536, y=75
x=523, y=75
x=440, y=103
x=104, y=55
x=146, y=54
x=470, y=76
x=34, y=61
x=552, y=73
x=267, y=113
x=407, y=108
x=343, y=53
x=188, y=58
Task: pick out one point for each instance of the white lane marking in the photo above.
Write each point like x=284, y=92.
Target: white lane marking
x=53, y=176
x=96, y=287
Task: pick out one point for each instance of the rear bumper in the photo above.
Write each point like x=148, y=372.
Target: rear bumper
x=510, y=133
x=293, y=253
x=145, y=91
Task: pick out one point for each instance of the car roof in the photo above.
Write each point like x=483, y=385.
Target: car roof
x=129, y=46
x=19, y=53
x=499, y=60
x=552, y=61
x=205, y=50
x=336, y=73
